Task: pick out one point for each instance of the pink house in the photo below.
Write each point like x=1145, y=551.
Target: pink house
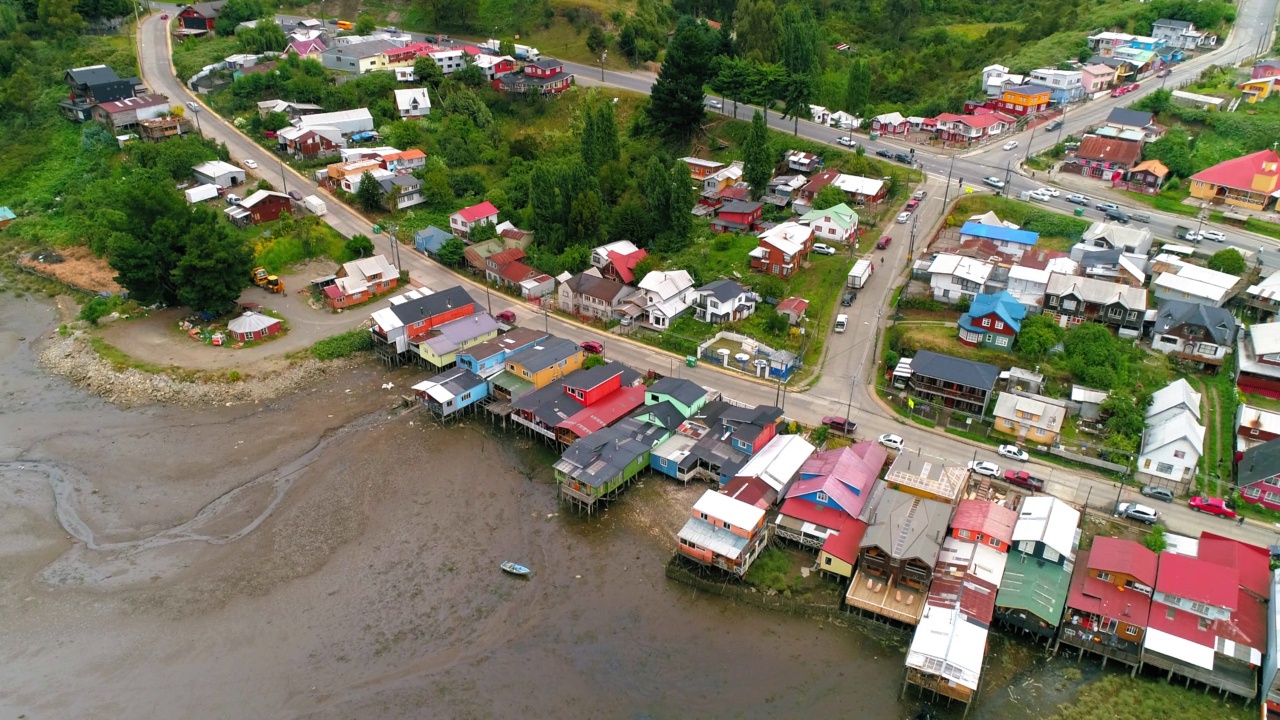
x=467, y=218
x=1096, y=78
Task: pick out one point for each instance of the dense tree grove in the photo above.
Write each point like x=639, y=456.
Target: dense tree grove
x=675, y=107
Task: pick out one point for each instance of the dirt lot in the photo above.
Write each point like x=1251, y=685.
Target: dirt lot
x=79, y=268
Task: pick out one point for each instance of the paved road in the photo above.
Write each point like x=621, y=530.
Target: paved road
x=843, y=386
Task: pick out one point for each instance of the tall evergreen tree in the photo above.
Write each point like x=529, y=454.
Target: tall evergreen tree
x=680, y=202
x=757, y=25
x=675, y=107
x=732, y=79
x=607, y=127
x=799, y=48
x=857, y=88
x=214, y=268
x=369, y=194
x=757, y=161
x=655, y=190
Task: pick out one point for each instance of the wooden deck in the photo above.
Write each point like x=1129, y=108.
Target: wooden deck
x=1225, y=677
x=1105, y=646
x=897, y=604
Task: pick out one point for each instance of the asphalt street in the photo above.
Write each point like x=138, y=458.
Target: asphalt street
x=843, y=387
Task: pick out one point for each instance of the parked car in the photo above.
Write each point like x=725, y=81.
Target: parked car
x=1119, y=91
x=164, y=17
x=883, y=242
x=1105, y=206
x=1078, y=199
x=920, y=195
x=1118, y=215
x=885, y=153
x=1211, y=505
x=625, y=321
x=903, y=157
x=982, y=467
x=1010, y=145
x=592, y=347
x=1133, y=87
x=1157, y=493
x=1053, y=125
x=823, y=249
x=508, y=317
x=251, y=164
x=994, y=182
x=903, y=217
x=1141, y=217
x=193, y=105
x=1013, y=452
x=891, y=441
x=714, y=104
x=1023, y=479
x=1039, y=196
x=840, y=424
x=847, y=299
x=912, y=205
x=1141, y=513
x=295, y=196
x=848, y=141
x=1164, y=73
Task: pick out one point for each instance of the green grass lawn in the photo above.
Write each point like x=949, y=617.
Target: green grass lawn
x=1261, y=401
x=1057, y=232
x=1167, y=201
x=194, y=53
x=1120, y=697
x=281, y=243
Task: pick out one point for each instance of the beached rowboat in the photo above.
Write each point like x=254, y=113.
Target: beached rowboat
x=514, y=568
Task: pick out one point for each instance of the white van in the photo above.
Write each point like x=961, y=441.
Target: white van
x=842, y=321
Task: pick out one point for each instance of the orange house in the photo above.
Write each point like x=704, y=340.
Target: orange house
x=985, y=523
x=1024, y=100
x=724, y=532
x=701, y=169
x=1110, y=599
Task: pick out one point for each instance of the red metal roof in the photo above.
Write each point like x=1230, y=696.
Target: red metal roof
x=976, y=597
x=607, y=411
x=1251, y=562
x=516, y=272
x=1123, y=556
x=134, y=103
x=1240, y=172
x=1102, y=598
x=752, y=491
x=1198, y=579
x=808, y=511
x=475, y=212
x=1103, y=149
x=846, y=543
x=794, y=304
x=985, y=517
x=625, y=263
x=502, y=257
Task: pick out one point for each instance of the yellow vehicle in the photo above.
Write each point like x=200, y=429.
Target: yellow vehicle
x=270, y=283
x=345, y=25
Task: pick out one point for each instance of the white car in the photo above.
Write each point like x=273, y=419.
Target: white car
x=1010, y=145
x=823, y=249
x=847, y=141
x=714, y=104
x=1213, y=235
x=982, y=467
x=251, y=164
x=903, y=217
x=1135, y=511
x=890, y=440
x=193, y=105
x=1051, y=192
x=1039, y=195
x=994, y=182
x=1013, y=452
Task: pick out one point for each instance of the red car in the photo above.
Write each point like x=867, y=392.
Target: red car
x=164, y=17
x=1132, y=87
x=593, y=347
x=506, y=316
x=1211, y=505
x=912, y=205
x=1119, y=91
x=883, y=242
x=1023, y=479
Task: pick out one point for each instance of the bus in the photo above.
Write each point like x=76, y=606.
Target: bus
x=345, y=25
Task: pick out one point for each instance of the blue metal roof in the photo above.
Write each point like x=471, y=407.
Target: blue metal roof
x=6, y=214
x=1001, y=234
x=1003, y=304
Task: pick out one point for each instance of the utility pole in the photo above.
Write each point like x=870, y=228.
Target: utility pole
x=1063, y=126
x=911, y=246
x=603, y=55
x=1030, y=138
x=1008, y=173
x=284, y=179
x=946, y=189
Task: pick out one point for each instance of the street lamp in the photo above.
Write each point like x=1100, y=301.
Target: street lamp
x=195, y=109
x=603, y=55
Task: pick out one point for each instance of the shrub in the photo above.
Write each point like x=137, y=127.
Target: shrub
x=343, y=344
x=95, y=310
x=919, y=303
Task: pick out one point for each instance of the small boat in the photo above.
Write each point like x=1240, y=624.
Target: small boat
x=515, y=569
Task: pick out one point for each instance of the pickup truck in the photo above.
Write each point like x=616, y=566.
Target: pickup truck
x=1023, y=479
x=840, y=425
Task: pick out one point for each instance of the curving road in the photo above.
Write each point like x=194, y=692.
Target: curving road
x=843, y=387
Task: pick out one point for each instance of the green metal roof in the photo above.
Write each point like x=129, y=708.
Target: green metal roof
x=513, y=384
x=1035, y=586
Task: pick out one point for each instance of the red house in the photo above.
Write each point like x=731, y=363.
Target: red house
x=1258, y=475
x=604, y=399
x=738, y=216
x=544, y=75
x=1264, y=69
x=622, y=266
x=199, y=17
x=985, y=523
x=262, y=206
x=782, y=249
x=809, y=190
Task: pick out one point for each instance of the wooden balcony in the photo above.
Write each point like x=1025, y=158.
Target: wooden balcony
x=899, y=604
x=1104, y=644
x=1228, y=676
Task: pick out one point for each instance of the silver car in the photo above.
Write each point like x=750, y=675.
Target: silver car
x=1141, y=513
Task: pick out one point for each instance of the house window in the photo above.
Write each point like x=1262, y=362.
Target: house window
x=1002, y=341
x=990, y=337
x=1068, y=305
x=1116, y=313
x=1170, y=613
x=1164, y=468
x=1104, y=576
x=1130, y=631
x=1051, y=555
x=827, y=561
x=1252, y=493
x=986, y=322
x=993, y=542
x=1026, y=546
x=822, y=497
x=725, y=524
x=963, y=534
x=1180, y=454
x=1272, y=497
x=1205, y=623
x=702, y=515
x=1053, y=301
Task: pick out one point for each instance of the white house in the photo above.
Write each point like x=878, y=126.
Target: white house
x=1064, y=85
x=778, y=461
x=844, y=120
x=1174, y=439
x=1028, y=284
x=216, y=172
x=600, y=255
x=860, y=189
x=996, y=79
x=351, y=183
x=467, y=218
x=412, y=103
x=1178, y=34
x=591, y=294
x=347, y=122
x=494, y=66
x=1113, y=236
x=722, y=301
x=954, y=276
x=1193, y=283
x=1105, y=43
x=820, y=115
x=664, y=295
x=835, y=224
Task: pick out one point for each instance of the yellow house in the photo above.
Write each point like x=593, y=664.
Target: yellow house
x=546, y=362
x=1246, y=182
x=1037, y=419
x=1257, y=90
x=440, y=349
